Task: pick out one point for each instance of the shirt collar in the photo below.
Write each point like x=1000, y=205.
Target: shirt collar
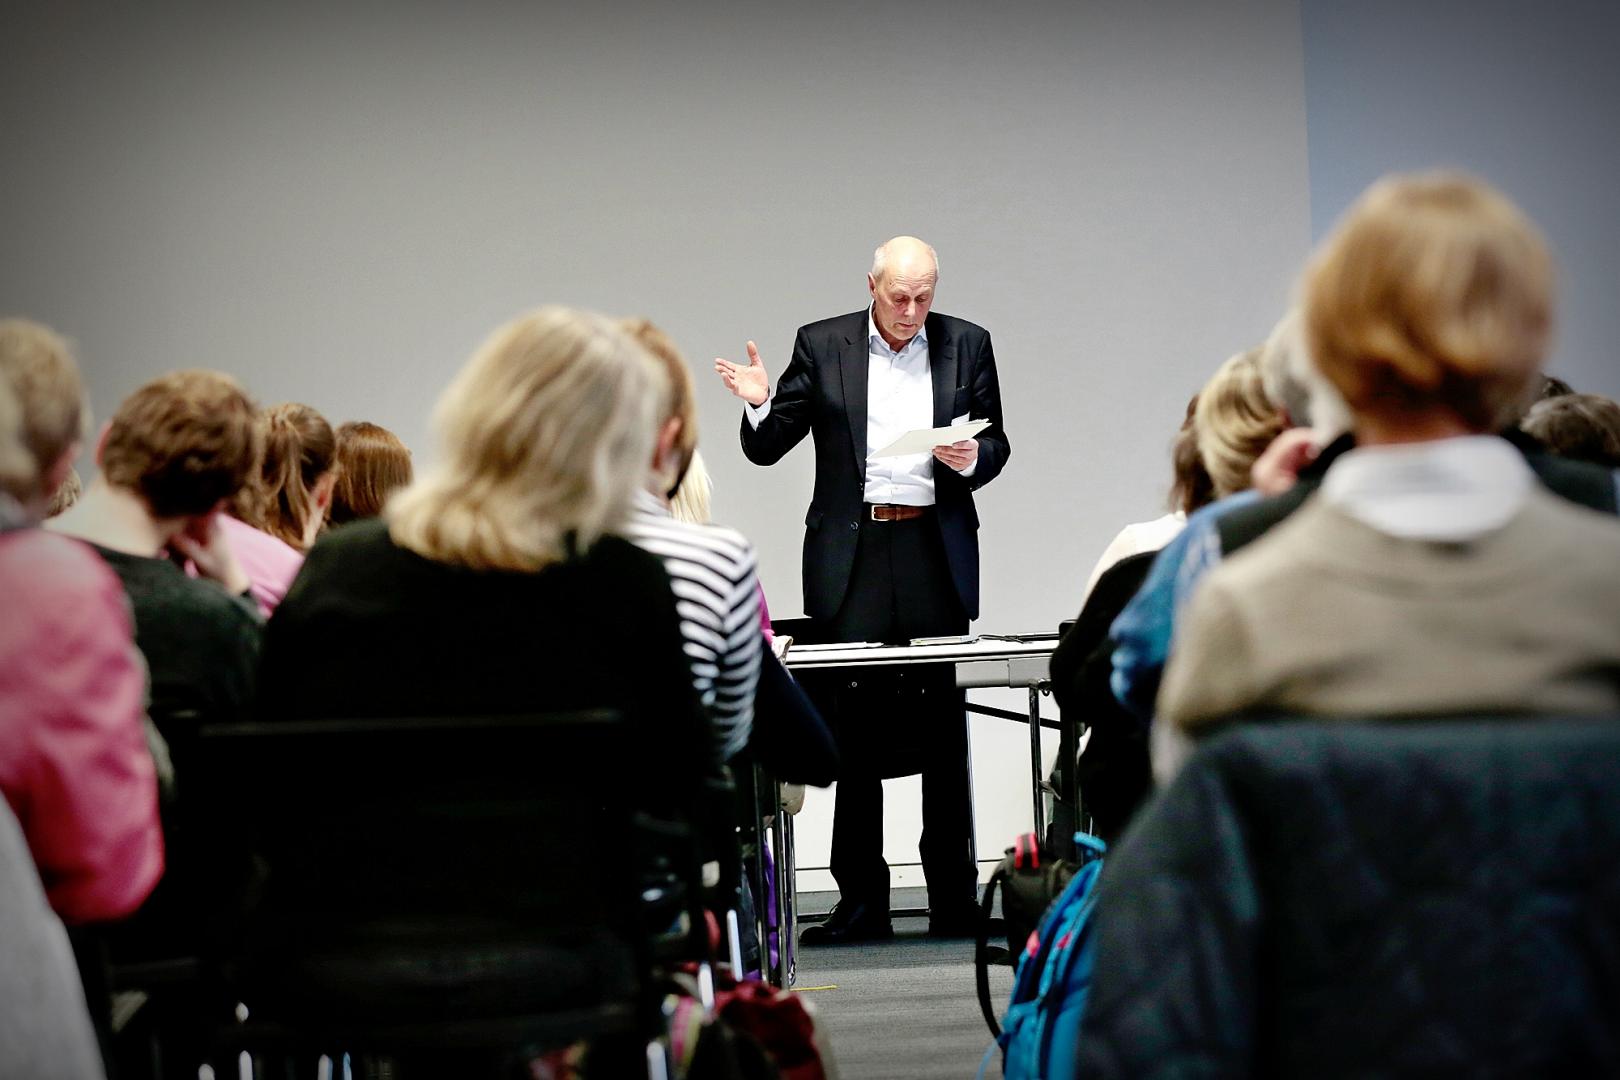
x=1446, y=490
x=875, y=339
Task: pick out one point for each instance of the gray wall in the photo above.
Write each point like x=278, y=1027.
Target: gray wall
x=1525, y=95
x=337, y=205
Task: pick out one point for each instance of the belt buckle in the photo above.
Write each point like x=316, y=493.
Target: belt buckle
x=873, y=510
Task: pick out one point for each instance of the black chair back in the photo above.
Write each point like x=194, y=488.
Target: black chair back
x=408, y=880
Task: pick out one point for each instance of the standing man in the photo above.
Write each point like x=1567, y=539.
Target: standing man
x=891, y=552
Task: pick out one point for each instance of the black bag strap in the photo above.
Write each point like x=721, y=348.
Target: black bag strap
x=981, y=948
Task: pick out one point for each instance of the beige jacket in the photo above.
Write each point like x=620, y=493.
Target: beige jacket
x=1326, y=615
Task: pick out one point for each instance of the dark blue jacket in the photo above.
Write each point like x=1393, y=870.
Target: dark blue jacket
x=1347, y=899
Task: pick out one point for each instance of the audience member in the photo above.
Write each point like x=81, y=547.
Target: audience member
x=1433, y=575
x=1235, y=421
x=788, y=737
x=494, y=583
x=1213, y=460
x=45, y=1029
x=1309, y=403
x=1584, y=427
x=172, y=456
x=1552, y=386
x=276, y=515
x=18, y=472
x=66, y=494
x=711, y=568
x=1192, y=488
x=296, y=475
x=74, y=763
x=372, y=464
x=694, y=497
x=1241, y=410
x=43, y=375
x=1112, y=771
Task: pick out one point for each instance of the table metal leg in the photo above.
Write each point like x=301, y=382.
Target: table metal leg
x=1035, y=762
x=765, y=802
x=973, y=817
x=787, y=901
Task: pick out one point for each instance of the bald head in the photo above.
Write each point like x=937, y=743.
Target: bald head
x=905, y=256
x=904, y=271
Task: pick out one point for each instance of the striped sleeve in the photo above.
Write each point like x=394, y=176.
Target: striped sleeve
x=713, y=573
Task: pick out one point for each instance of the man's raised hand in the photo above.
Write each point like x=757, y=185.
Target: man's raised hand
x=748, y=381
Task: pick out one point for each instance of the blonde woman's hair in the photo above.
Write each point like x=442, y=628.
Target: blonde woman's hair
x=691, y=501
x=1235, y=421
x=1434, y=291
x=546, y=435
x=45, y=380
x=683, y=399
x=18, y=473
x=299, y=449
x=66, y=494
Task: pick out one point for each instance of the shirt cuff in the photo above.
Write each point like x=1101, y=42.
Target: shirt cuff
x=756, y=413
x=970, y=470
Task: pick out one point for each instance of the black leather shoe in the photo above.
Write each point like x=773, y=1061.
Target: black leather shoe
x=954, y=922
x=850, y=922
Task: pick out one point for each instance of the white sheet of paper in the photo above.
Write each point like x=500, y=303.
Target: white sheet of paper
x=923, y=440
x=825, y=646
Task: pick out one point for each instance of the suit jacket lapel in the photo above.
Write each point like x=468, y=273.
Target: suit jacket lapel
x=854, y=355
x=942, y=369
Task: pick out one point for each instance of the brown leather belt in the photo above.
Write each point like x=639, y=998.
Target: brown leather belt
x=893, y=512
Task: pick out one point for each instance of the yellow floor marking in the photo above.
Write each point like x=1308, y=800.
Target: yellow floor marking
x=808, y=989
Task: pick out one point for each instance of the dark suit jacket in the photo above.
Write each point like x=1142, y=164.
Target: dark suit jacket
x=823, y=393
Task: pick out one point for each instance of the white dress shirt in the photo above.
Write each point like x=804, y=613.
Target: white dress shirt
x=899, y=398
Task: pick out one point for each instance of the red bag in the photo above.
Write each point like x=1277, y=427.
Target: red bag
x=756, y=1013
x=777, y=1020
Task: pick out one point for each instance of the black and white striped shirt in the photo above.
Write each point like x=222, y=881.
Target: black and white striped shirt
x=712, y=572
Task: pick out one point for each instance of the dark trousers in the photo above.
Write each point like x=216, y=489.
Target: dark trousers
x=900, y=589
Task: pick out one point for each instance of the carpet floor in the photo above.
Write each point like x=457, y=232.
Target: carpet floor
x=903, y=1009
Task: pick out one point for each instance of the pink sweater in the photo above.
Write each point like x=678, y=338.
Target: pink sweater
x=74, y=763
x=269, y=562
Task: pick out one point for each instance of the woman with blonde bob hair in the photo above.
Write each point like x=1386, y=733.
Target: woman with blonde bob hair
x=1430, y=308
x=494, y=584
x=1234, y=421
x=547, y=432
x=1436, y=571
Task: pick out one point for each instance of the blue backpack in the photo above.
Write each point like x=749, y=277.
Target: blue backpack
x=1041, y=1027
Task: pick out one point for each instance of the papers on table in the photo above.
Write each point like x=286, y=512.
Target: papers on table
x=837, y=645
x=923, y=440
